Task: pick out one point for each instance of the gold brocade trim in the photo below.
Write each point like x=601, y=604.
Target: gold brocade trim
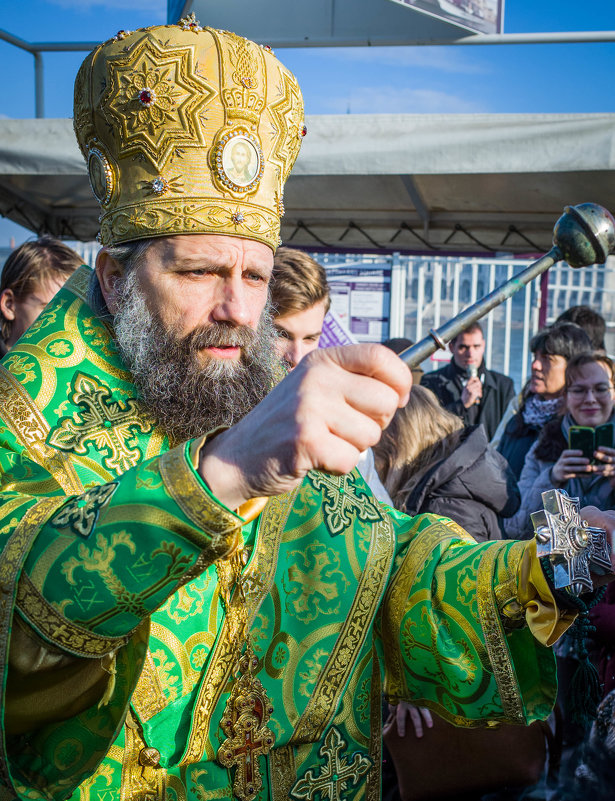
x=257, y=580
x=28, y=425
x=148, y=697
x=79, y=282
x=153, y=219
x=55, y=628
x=333, y=678
x=282, y=772
x=143, y=779
x=13, y=558
x=395, y=600
x=375, y=740
x=184, y=487
x=506, y=592
x=495, y=639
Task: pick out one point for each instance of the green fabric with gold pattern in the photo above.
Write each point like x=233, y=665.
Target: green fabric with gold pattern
x=343, y=597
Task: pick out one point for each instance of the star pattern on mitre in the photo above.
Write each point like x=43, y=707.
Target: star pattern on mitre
x=287, y=111
x=156, y=95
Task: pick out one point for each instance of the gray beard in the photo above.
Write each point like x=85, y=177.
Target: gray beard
x=185, y=397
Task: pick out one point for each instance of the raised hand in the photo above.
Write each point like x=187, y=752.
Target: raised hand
x=332, y=406
x=472, y=392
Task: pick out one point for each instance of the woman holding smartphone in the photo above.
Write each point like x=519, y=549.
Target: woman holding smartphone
x=574, y=451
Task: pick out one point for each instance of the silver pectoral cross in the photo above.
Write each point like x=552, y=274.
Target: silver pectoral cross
x=575, y=548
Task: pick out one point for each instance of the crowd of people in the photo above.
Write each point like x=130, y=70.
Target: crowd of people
x=436, y=456
x=226, y=553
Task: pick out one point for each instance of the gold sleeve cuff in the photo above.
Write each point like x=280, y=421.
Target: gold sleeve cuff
x=249, y=510
x=47, y=621
x=183, y=483
x=546, y=621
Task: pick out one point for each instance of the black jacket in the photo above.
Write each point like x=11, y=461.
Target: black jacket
x=472, y=486
x=498, y=391
x=516, y=441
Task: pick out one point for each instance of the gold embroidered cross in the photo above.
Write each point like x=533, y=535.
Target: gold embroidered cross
x=343, y=501
x=109, y=425
x=337, y=776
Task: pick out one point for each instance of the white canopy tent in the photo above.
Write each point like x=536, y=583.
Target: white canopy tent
x=464, y=183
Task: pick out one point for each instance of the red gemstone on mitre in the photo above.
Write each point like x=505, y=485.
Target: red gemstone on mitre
x=146, y=97
x=304, y=130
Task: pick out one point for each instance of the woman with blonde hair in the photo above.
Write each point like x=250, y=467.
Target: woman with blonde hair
x=429, y=462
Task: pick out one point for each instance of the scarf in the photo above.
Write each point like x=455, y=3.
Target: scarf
x=537, y=411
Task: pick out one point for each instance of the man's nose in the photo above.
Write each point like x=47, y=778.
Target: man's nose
x=294, y=353
x=230, y=301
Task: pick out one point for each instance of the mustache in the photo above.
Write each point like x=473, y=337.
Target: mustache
x=218, y=335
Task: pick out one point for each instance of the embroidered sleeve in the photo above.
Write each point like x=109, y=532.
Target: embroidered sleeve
x=465, y=627
x=100, y=561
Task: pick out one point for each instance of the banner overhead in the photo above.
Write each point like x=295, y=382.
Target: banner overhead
x=480, y=16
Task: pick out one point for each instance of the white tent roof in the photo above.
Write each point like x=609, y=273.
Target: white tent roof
x=362, y=181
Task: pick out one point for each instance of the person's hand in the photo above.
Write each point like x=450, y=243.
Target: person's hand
x=606, y=520
x=418, y=715
x=329, y=409
x=472, y=392
x=569, y=465
x=605, y=463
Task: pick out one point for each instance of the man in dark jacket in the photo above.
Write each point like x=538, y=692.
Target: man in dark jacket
x=466, y=388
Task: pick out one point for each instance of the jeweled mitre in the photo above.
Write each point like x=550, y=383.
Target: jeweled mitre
x=187, y=130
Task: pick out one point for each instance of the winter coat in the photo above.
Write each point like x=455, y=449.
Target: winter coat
x=472, y=486
x=516, y=441
x=602, y=617
x=536, y=478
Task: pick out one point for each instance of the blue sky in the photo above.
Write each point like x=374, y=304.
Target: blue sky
x=503, y=78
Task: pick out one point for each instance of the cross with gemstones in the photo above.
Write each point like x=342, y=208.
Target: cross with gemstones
x=109, y=425
x=244, y=723
x=337, y=777
x=574, y=547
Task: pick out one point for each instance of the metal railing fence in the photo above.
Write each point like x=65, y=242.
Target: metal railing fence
x=436, y=288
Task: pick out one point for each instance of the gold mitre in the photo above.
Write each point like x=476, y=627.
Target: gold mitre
x=187, y=130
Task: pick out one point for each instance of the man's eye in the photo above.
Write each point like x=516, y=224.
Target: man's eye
x=256, y=277
x=281, y=333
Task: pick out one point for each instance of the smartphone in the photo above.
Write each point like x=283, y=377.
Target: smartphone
x=603, y=436
x=581, y=438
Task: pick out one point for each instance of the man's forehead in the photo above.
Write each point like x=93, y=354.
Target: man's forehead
x=465, y=340
x=307, y=320
x=217, y=250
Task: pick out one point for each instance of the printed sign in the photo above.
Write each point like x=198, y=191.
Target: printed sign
x=480, y=16
x=361, y=299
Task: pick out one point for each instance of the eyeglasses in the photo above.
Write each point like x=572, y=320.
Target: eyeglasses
x=598, y=391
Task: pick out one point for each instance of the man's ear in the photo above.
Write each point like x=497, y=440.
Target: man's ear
x=7, y=304
x=108, y=271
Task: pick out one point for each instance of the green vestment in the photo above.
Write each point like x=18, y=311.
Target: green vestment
x=113, y=546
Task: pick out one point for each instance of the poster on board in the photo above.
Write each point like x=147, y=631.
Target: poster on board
x=361, y=299
x=479, y=16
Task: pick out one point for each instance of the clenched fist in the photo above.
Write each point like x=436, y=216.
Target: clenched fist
x=331, y=407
